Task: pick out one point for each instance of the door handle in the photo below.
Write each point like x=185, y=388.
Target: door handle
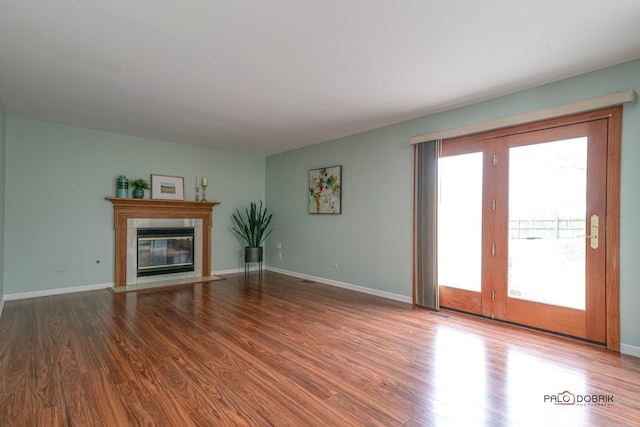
x=595, y=220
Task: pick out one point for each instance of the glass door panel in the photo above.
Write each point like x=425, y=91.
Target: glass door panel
x=515, y=216
x=547, y=211
x=460, y=221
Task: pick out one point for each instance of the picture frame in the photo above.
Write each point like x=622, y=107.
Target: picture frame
x=325, y=190
x=167, y=187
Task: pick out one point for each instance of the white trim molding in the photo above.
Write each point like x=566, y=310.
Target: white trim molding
x=350, y=286
x=1, y=305
x=630, y=350
x=610, y=100
x=58, y=291
x=85, y=288
x=234, y=270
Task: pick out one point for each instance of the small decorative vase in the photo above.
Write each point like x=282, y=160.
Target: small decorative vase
x=122, y=187
x=138, y=193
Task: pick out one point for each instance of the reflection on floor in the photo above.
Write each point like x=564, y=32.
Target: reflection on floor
x=289, y=352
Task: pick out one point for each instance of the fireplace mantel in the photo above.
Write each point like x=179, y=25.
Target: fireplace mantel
x=124, y=209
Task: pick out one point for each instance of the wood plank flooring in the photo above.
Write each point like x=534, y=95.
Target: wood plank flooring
x=291, y=353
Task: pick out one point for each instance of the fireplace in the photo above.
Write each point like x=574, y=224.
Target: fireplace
x=165, y=251
x=131, y=215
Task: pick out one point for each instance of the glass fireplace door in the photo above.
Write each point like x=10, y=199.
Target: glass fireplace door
x=165, y=251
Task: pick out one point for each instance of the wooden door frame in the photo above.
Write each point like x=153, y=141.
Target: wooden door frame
x=612, y=220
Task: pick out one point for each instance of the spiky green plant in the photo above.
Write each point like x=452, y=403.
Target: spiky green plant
x=139, y=183
x=252, y=224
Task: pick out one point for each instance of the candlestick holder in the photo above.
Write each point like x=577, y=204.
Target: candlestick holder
x=204, y=192
x=197, y=194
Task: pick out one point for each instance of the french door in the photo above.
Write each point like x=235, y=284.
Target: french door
x=521, y=227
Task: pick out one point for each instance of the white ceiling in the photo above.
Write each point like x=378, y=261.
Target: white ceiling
x=264, y=77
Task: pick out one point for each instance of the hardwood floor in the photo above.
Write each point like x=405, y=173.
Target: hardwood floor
x=291, y=353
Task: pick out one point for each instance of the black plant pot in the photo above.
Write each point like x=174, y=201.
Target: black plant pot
x=253, y=254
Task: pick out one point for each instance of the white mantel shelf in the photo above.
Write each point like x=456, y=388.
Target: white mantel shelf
x=124, y=209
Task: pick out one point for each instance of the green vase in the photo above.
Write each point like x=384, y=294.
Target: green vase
x=138, y=193
x=122, y=187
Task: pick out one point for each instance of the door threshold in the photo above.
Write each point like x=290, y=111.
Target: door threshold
x=546, y=332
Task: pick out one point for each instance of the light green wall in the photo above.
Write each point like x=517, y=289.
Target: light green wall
x=371, y=241
x=56, y=214
x=2, y=193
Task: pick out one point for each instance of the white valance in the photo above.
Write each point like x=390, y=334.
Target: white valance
x=534, y=116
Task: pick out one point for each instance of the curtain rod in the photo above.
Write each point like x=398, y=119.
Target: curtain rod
x=616, y=98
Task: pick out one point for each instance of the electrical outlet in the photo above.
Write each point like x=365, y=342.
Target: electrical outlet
x=278, y=245
x=334, y=265
x=58, y=271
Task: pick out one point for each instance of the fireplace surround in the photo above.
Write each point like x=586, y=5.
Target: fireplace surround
x=164, y=262
x=131, y=214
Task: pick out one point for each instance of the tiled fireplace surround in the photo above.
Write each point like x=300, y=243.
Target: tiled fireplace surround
x=133, y=224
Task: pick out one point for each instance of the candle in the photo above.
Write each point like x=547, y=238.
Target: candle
x=197, y=183
x=204, y=182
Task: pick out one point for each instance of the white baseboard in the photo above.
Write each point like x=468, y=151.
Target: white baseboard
x=59, y=291
x=234, y=270
x=631, y=350
x=357, y=288
x=1, y=305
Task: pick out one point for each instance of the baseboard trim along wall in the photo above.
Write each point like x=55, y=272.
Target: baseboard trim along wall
x=234, y=270
x=85, y=288
x=630, y=350
x=1, y=305
x=58, y=291
x=357, y=288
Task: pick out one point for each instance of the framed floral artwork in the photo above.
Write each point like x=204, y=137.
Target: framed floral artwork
x=325, y=190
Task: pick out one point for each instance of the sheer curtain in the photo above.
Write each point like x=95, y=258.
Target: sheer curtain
x=426, y=224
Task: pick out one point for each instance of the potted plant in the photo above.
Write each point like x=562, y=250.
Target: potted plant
x=139, y=186
x=251, y=226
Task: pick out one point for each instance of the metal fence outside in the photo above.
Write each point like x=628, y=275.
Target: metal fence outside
x=549, y=228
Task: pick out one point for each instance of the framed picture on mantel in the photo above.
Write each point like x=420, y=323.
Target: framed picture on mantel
x=167, y=187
